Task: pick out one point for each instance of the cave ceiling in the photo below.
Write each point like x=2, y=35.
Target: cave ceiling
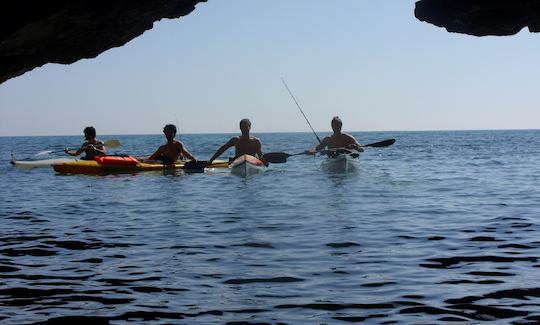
x=37, y=32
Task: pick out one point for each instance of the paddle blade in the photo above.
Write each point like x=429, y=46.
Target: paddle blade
x=384, y=143
x=113, y=143
x=276, y=157
x=44, y=152
x=195, y=166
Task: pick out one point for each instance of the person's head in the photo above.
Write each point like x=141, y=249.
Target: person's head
x=89, y=132
x=170, y=131
x=336, y=124
x=245, y=126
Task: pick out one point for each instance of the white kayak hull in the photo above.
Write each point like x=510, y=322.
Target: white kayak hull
x=41, y=163
x=343, y=162
x=246, y=166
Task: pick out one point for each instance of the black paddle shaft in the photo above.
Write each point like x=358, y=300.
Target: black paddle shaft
x=281, y=157
x=384, y=143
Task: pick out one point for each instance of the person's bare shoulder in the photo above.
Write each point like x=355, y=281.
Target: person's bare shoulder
x=162, y=147
x=350, y=137
x=327, y=140
x=178, y=144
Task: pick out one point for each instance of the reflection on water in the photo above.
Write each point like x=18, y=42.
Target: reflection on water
x=444, y=235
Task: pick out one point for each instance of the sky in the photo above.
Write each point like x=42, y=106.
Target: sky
x=370, y=62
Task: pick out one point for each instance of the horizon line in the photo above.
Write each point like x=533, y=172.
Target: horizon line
x=274, y=132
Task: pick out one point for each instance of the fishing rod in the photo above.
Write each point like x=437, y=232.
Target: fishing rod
x=177, y=125
x=285, y=84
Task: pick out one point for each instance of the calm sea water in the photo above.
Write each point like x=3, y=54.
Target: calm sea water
x=438, y=228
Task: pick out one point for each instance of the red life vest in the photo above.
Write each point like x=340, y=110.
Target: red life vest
x=117, y=160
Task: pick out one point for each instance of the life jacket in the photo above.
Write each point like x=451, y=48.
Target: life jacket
x=117, y=160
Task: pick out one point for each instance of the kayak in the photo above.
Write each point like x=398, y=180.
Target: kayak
x=246, y=166
x=341, y=160
x=93, y=167
x=39, y=163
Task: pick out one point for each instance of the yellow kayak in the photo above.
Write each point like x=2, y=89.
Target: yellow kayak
x=93, y=167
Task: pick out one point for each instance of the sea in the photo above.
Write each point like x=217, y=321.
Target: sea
x=442, y=227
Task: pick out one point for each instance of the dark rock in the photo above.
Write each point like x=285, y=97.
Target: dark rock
x=481, y=17
x=36, y=32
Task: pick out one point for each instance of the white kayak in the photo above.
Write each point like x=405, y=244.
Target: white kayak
x=246, y=166
x=39, y=163
x=341, y=160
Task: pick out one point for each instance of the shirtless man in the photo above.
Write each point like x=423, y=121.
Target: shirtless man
x=244, y=144
x=338, y=139
x=172, y=150
x=91, y=147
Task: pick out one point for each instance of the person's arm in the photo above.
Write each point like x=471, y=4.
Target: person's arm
x=156, y=154
x=186, y=153
x=78, y=151
x=96, y=149
x=71, y=152
x=354, y=144
x=222, y=149
x=320, y=146
x=259, y=152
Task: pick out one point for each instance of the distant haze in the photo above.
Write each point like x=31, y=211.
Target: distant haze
x=370, y=62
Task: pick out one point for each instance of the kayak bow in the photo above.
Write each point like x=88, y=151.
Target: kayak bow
x=341, y=160
x=246, y=166
x=39, y=163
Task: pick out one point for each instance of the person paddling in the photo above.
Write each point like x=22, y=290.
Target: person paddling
x=244, y=144
x=172, y=150
x=338, y=139
x=91, y=147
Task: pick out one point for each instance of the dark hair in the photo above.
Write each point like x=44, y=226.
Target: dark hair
x=246, y=121
x=170, y=127
x=89, y=130
x=337, y=120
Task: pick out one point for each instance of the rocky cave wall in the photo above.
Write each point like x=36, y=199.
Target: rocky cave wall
x=481, y=17
x=36, y=32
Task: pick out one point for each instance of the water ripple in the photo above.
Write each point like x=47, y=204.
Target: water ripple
x=436, y=229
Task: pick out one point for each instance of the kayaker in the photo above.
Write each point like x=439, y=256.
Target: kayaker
x=244, y=144
x=91, y=147
x=338, y=139
x=172, y=150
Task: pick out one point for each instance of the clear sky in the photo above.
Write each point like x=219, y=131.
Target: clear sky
x=370, y=62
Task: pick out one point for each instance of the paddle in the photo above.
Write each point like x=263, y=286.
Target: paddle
x=195, y=166
x=384, y=143
x=113, y=143
x=281, y=157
